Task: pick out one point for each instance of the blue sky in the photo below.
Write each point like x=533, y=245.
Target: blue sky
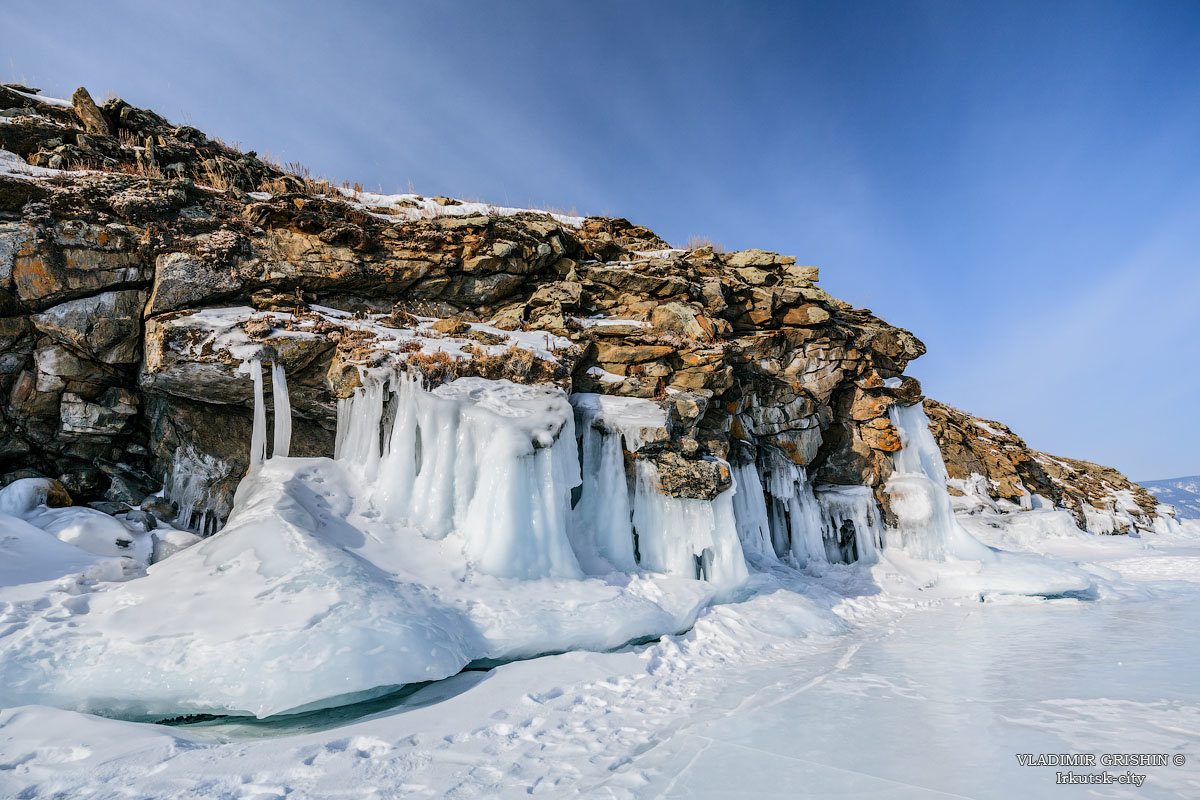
x=1017, y=183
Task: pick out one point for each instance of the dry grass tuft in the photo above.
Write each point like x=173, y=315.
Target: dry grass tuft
x=699, y=242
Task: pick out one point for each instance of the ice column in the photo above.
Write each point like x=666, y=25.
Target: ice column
x=283, y=411
x=926, y=525
x=258, y=436
x=750, y=513
x=601, y=526
x=687, y=537
x=795, y=517
x=358, y=433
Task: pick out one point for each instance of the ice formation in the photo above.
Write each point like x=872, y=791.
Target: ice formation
x=493, y=460
x=258, y=436
x=850, y=523
x=283, y=411
x=750, y=513
x=335, y=580
x=687, y=537
x=925, y=523
x=797, y=526
x=782, y=516
x=453, y=526
x=601, y=523
x=189, y=486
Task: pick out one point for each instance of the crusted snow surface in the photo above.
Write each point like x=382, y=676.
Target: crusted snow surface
x=409, y=206
x=84, y=528
x=223, y=330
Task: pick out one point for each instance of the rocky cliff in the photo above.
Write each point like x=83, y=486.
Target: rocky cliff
x=144, y=265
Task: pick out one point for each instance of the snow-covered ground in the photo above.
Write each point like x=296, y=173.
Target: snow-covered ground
x=851, y=684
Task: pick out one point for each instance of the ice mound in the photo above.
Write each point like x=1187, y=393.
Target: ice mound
x=336, y=579
x=30, y=555
x=85, y=528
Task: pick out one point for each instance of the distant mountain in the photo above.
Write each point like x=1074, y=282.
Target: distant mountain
x=1183, y=493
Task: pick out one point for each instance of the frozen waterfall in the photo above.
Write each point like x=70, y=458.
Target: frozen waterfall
x=601, y=524
x=926, y=526
x=686, y=537
x=492, y=460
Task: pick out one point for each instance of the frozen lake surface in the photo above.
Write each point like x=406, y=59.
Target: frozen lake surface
x=940, y=704
x=848, y=684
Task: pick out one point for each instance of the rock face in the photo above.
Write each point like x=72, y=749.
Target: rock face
x=132, y=293
x=1101, y=498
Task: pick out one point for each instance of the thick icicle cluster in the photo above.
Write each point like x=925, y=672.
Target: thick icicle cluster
x=187, y=486
x=620, y=526
x=492, y=460
x=688, y=537
x=781, y=516
x=496, y=462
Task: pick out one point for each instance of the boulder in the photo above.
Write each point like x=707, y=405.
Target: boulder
x=758, y=258
x=106, y=327
x=88, y=113
x=680, y=320
x=807, y=314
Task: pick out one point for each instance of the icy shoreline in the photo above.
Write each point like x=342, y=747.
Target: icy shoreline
x=447, y=531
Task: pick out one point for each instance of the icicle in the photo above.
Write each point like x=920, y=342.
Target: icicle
x=750, y=513
x=686, y=537
x=808, y=541
x=189, y=486
x=926, y=525
x=283, y=411
x=258, y=436
x=492, y=460
x=794, y=517
x=601, y=526
x=516, y=523
x=358, y=420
